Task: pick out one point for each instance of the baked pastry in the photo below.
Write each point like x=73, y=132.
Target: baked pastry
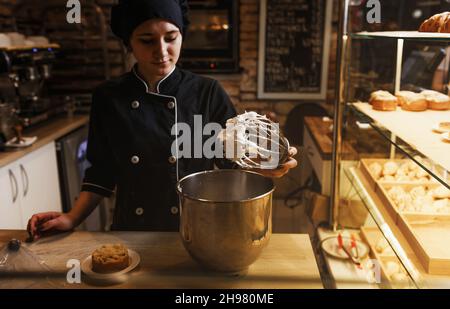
x=445, y=26
x=441, y=206
x=444, y=126
x=420, y=199
x=110, y=258
x=408, y=171
x=382, y=247
x=436, y=100
x=418, y=191
x=392, y=267
x=441, y=192
x=376, y=169
x=383, y=101
x=411, y=101
x=436, y=23
x=390, y=168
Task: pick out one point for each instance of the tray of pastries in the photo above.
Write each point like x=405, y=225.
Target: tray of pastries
x=393, y=274
x=430, y=199
x=399, y=171
x=382, y=100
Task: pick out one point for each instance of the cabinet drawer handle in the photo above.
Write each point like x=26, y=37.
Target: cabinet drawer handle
x=26, y=182
x=14, y=186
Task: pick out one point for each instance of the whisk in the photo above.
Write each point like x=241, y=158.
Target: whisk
x=254, y=141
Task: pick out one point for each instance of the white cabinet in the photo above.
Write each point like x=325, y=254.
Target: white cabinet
x=10, y=212
x=28, y=186
x=40, y=182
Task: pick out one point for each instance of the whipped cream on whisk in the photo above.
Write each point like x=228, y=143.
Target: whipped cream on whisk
x=253, y=141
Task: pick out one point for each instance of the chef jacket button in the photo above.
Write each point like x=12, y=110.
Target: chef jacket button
x=174, y=210
x=171, y=105
x=139, y=211
x=135, y=104
x=172, y=159
x=135, y=159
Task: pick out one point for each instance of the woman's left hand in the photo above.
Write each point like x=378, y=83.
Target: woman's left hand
x=282, y=169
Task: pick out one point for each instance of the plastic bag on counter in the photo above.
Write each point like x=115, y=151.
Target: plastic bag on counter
x=21, y=268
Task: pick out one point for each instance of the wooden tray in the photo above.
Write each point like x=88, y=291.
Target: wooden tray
x=390, y=206
x=428, y=235
x=374, y=183
x=371, y=235
x=387, y=275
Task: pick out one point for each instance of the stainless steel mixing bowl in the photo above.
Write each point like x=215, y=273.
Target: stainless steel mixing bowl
x=226, y=217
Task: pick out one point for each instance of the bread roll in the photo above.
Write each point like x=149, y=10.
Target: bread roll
x=383, y=101
x=439, y=205
x=381, y=245
x=436, y=100
x=399, y=278
x=445, y=23
x=411, y=101
x=110, y=258
x=436, y=23
x=376, y=169
x=392, y=267
x=390, y=168
x=441, y=192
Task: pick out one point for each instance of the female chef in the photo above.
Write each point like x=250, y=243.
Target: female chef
x=132, y=116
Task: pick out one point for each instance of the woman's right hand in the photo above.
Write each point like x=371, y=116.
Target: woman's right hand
x=48, y=223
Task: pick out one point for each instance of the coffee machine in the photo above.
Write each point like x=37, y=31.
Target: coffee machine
x=24, y=73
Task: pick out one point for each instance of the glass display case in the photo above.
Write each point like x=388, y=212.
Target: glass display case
x=398, y=165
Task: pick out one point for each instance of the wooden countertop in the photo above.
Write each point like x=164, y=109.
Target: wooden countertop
x=287, y=262
x=46, y=132
x=366, y=144
x=323, y=137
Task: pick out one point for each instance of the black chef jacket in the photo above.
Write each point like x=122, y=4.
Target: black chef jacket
x=129, y=145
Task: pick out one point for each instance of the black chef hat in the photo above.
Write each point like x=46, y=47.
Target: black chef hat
x=129, y=14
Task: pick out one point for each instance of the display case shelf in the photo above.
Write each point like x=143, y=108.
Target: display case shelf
x=407, y=152
x=416, y=130
x=405, y=35
x=392, y=231
x=385, y=223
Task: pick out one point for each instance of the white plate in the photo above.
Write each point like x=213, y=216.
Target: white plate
x=446, y=136
x=86, y=267
x=331, y=246
x=27, y=141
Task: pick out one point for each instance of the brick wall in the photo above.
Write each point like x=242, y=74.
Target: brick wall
x=242, y=88
x=244, y=91
x=6, y=7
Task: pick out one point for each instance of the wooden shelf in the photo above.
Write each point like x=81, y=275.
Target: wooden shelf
x=406, y=35
x=416, y=129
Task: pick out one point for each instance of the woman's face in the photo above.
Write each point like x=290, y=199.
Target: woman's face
x=156, y=45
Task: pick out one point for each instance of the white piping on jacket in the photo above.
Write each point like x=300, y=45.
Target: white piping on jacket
x=164, y=96
x=94, y=185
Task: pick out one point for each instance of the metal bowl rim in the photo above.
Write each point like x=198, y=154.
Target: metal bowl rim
x=178, y=188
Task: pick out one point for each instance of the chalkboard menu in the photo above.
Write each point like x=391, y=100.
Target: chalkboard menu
x=294, y=49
